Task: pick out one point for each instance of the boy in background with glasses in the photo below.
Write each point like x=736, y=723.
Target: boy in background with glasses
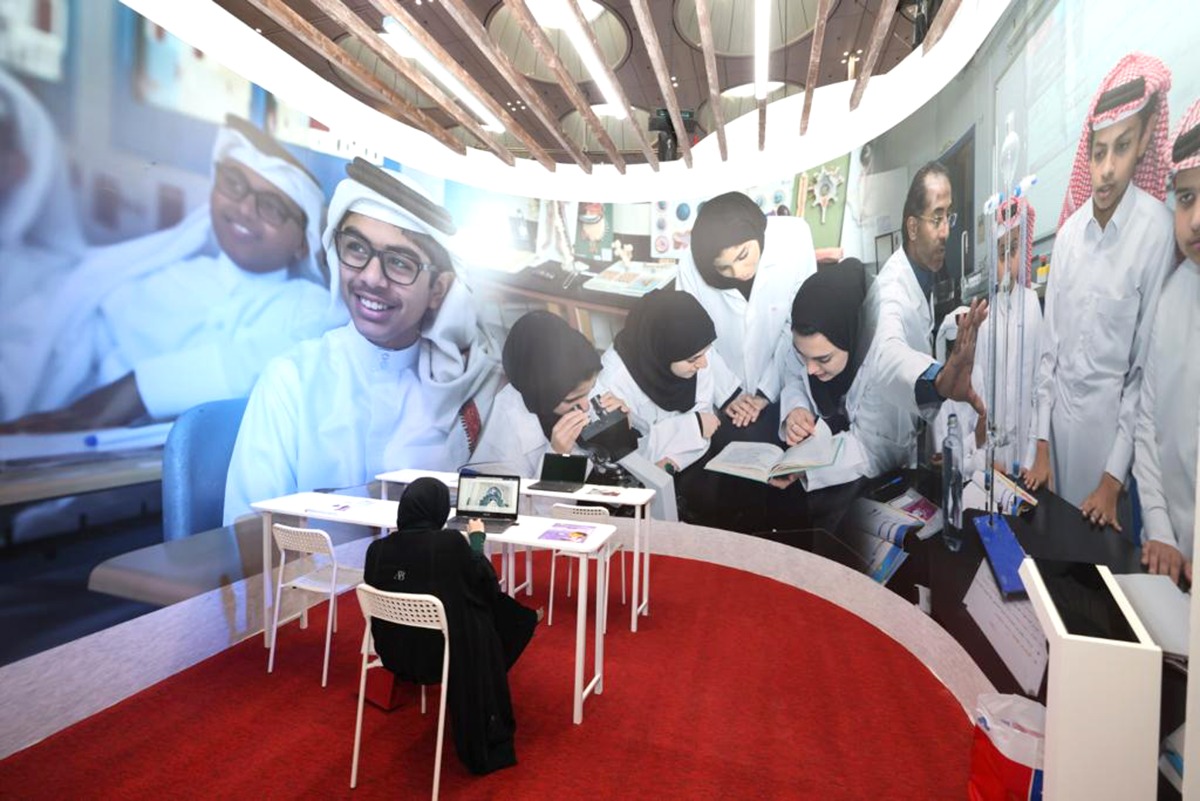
x=153, y=326
x=406, y=380
x=1114, y=247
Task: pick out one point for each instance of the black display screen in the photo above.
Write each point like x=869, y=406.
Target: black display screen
x=1083, y=600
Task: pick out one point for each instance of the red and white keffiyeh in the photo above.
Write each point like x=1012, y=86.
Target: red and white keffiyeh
x=1008, y=217
x=1151, y=172
x=1183, y=151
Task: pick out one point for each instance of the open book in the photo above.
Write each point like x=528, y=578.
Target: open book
x=762, y=461
x=887, y=522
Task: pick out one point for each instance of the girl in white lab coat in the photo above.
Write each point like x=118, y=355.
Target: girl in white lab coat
x=663, y=365
x=551, y=369
x=403, y=384
x=744, y=268
x=831, y=373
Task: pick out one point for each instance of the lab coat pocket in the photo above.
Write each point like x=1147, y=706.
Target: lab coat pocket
x=1112, y=330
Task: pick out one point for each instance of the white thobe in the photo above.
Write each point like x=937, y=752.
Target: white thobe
x=750, y=333
x=1168, y=421
x=1100, y=305
x=668, y=434
x=336, y=412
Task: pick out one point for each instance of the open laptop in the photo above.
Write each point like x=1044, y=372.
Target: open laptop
x=491, y=498
x=562, y=473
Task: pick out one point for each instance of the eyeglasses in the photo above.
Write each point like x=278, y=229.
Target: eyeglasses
x=399, y=267
x=270, y=206
x=950, y=219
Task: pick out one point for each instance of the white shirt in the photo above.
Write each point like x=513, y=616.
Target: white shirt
x=900, y=342
x=1168, y=421
x=1100, y=302
x=513, y=438
x=337, y=411
x=668, y=434
x=750, y=333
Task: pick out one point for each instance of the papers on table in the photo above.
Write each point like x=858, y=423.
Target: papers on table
x=1162, y=607
x=1009, y=498
x=26, y=447
x=337, y=504
x=883, y=521
x=1011, y=627
x=917, y=505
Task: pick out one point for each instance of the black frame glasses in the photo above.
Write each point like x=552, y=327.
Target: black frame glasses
x=270, y=206
x=951, y=219
x=400, y=267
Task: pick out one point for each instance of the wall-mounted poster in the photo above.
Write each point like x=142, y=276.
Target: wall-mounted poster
x=821, y=199
x=594, y=232
x=33, y=37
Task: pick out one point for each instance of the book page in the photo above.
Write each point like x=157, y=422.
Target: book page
x=882, y=521
x=918, y=505
x=818, y=450
x=1011, y=627
x=752, y=460
x=1162, y=607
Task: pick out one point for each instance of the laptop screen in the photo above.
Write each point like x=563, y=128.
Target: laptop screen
x=564, y=468
x=493, y=496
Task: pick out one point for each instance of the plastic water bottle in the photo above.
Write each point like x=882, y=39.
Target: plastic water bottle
x=952, y=484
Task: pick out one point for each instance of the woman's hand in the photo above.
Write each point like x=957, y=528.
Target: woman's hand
x=1038, y=476
x=566, y=431
x=745, y=409
x=709, y=423
x=610, y=402
x=475, y=526
x=783, y=482
x=799, y=426
x=1100, y=508
x=668, y=464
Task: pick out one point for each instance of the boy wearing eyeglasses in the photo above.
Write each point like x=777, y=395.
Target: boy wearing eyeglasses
x=156, y=325
x=1114, y=247
x=406, y=381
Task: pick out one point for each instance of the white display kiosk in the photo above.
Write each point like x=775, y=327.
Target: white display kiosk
x=1104, y=688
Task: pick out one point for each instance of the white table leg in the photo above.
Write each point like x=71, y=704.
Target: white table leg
x=646, y=567
x=637, y=572
x=580, y=637
x=602, y=578
x=267, y=588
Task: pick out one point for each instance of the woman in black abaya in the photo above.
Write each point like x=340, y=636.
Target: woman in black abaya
x=488, y=629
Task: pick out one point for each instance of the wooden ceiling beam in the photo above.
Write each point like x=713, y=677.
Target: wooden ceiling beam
x=941, y=21
x=879, y=37
x=391, y=8
x=643, y=139
x=473, y=28
x=814, y=62
x=354, y=24
x=645, y=23
x=541, y=44
x=395, y=106
x=704, y=15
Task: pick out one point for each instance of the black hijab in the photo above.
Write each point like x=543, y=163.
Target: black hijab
x=830, y=302
x=722, y=222
x=424, y=506
x=663, y=327
x=544, y=358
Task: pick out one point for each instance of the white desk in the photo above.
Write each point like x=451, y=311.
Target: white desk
x=381, y=514
x=637, y=497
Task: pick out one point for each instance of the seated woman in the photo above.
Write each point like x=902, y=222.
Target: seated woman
x=663, y=365
x=488, y=629
x=552, y=371
x=832, y=344
x=743, y=268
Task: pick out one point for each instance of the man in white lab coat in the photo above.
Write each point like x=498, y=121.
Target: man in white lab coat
x=1168, y=421
x=900, y=304
x=153, y=326
x=745, y=268
x=404, y=384
x=1112, y=251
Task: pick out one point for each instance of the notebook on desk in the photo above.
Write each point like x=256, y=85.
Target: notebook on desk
x=562, y=473
x=490, y=498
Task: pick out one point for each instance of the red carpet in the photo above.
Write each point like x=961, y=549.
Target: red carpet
x=735, y=687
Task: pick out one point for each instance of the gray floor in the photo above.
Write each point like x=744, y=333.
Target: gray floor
x=44, y=600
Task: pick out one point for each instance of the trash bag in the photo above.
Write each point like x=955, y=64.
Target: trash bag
x=1006, y=752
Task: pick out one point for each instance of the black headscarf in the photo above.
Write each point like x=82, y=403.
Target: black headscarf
x=424, y=506
x=722, y=222
x=663, y=327
x=831, y=302
x=544, y=358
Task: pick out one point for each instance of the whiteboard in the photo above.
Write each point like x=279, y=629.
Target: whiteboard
x=1058, y=65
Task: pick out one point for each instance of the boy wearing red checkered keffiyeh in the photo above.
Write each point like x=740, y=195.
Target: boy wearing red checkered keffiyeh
x=1112, y=251
x=1166, y=436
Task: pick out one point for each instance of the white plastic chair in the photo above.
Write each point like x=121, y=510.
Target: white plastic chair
x=596, y=514
x=405, y=609
x=328, y=581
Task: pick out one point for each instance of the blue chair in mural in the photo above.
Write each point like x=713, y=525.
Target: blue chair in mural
x=195, y=461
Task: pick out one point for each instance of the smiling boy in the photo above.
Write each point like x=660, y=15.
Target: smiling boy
x=1113, y=248
x=404, y=383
